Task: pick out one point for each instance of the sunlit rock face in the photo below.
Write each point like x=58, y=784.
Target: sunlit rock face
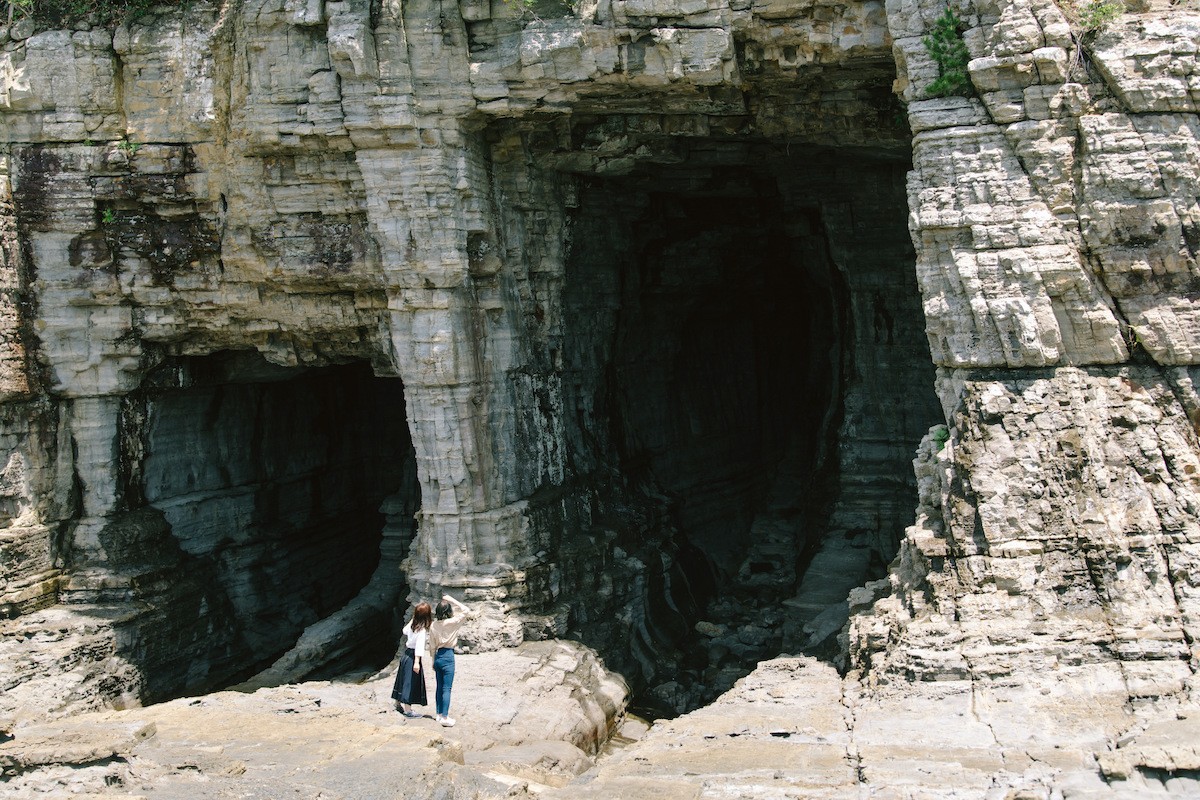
x=664, y=298
x=1055, y=533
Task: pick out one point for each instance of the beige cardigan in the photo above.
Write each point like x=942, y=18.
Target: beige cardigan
x=444, y=632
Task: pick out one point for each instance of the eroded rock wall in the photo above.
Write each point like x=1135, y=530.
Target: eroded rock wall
x=1055, y=535
x=330, y=182
x=400, y=185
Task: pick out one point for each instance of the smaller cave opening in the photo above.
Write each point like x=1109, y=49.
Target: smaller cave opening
x=271, y=499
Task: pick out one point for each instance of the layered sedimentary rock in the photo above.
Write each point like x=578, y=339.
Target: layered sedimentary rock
x=645, y=323
x=1057, y=516
x=663, y=297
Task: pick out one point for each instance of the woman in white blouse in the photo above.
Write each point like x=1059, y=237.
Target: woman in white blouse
x=409, y=688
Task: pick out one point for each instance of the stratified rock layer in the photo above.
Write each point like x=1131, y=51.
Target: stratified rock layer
x=519, y=219
x=794, y=728
x=640, y=274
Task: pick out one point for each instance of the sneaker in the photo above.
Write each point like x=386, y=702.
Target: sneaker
x=446, y=722
x=411, y=714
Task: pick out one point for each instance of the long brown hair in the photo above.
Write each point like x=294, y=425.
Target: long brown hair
x=422, y=617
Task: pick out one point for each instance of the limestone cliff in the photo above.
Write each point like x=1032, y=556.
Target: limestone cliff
x=641, y=307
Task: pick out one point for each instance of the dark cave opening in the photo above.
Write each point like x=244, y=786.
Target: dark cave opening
x=286, y=493
x=738, y=377
x=744, y=340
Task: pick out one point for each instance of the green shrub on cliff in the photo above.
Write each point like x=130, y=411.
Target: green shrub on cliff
x=1088, y=18
x=946, y=47
x=1093, y=16
x=940, y=435
x=57, y=13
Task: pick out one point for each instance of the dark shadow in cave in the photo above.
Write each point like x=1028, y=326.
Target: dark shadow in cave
x=269, y=498
x=744, y=340
x=740, y=375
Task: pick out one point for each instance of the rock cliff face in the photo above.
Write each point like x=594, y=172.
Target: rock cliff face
x=641, y=307
x=1057, y=525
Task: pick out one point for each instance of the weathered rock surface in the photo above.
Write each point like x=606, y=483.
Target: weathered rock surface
x=541, y=724
x=634, y=284
x=794, y=728
x=327, y=183
x=1051, y=214
x=1072, y=474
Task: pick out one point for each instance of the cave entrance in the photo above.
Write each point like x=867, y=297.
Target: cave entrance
x=744, y=338
x=290, y=496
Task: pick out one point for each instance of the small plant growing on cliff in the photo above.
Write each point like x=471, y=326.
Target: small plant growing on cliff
x=1088, y=18
x=59, y=13
x=19, y=8
x=108, y=217
x=130, y=147
x=941, y=435
x=1093, y=16
x=946, y=47
x=1133, y=341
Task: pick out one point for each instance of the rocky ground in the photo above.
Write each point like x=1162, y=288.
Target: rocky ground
x=531, y=715
x=530, y=721
x=795, y=729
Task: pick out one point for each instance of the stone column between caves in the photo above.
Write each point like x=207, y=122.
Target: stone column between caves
x=455, y=359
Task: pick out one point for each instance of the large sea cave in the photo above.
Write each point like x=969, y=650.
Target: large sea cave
x=743, y=343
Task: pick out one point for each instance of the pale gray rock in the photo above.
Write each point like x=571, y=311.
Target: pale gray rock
x=176, y=67
x=1150, y=63
x=1022, y=535
x=794, y=728
x=542, y=725
x=568, y=251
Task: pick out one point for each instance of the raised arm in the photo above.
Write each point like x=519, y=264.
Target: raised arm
x=459, y=608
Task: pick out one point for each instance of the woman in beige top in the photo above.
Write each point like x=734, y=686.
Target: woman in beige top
x=443, y=636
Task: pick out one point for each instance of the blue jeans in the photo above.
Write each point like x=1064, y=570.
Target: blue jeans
x=443, y=673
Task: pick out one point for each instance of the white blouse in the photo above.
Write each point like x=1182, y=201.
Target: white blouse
x=416, y=639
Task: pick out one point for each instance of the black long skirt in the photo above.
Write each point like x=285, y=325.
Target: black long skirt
x=410, y=686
